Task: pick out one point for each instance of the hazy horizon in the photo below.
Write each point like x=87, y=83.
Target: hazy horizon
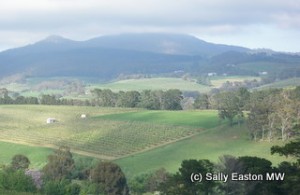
x=257, y=24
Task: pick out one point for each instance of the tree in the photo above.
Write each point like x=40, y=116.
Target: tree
x=110, y=178
x=20, y=161
x=149, y=100
x=290, y=149
x=16, y=180
x=180, y=183
x=203, y=101
x=171, y=99
x=49, y=100
x=129, y=99
x=286, y=112
x=256, y=166
x=156, y=179
x=227, y=105
x=290, y=185
x=262, y=117
x=228, y=165
x=60, y=164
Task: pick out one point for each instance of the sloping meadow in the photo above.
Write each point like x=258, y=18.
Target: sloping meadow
x=107, y=133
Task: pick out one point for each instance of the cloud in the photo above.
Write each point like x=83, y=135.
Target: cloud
x=57, y=13
x=86, y=18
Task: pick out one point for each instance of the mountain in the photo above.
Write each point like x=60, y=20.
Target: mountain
x=145, y=53
x=163, y=43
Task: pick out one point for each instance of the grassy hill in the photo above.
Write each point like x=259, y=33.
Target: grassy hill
x=287, y=83
x=209, y=144
x=61, y=85
x=138, y=140
x=102, y=134
x=153, y=84
x=169, y=83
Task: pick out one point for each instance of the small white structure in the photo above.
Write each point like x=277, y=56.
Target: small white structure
x=263, y=73
x=83, y=116
x=51, y=120
x=211, y=74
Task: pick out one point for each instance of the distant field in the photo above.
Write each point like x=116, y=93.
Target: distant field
x=59, y=85
x=169, y=83
x=219, y=80
x=257, y=67
x=102, y=134
x=153, y=84
x=282, y=84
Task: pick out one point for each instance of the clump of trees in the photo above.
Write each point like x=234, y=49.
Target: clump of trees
x=13, y=177
x=60, y=176
x=268, y=113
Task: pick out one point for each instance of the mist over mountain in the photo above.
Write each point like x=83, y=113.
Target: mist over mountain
x=144, y=53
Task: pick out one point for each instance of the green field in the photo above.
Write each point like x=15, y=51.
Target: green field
x=37, y=155
x=287, y=83
x=170, y=83
x=153, y=84
x=219, y=80
x=138, y=140
x=35, y=87
x=102, y=134
x=209, y=144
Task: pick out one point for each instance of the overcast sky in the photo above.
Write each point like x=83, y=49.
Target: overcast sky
x=273, y=24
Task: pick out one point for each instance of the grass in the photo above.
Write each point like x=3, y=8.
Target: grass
x=153, y=84
x=104, y=134
x=58, y=85
x=287, y=83
x=219, y=80
x=209, y=144
x=203, y=119
x=139, y=141
x=37, y=155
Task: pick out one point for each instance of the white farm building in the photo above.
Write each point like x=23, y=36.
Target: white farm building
x=51, y=120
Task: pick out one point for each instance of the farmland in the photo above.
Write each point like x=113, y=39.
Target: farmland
x=102, y=134
x=209, y=144
x=138, y=140
x=62, y=85
x=153, y=84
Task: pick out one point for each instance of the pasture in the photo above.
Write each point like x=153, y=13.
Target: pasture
x=219, y=80
x=140, y=141
x=287, y=83
x=35, y=87
x=208, y=144
x=153, y=84
x=103, y=134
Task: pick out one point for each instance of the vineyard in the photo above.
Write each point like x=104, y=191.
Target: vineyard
x=106, y=133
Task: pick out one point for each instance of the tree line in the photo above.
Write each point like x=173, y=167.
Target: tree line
x=62, y=175
x=149, y=99
x=282, y=179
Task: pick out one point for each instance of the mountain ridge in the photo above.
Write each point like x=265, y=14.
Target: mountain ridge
x=143, y=53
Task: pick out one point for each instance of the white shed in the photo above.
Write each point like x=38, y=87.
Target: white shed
x=51, y=120
x=83, y=116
